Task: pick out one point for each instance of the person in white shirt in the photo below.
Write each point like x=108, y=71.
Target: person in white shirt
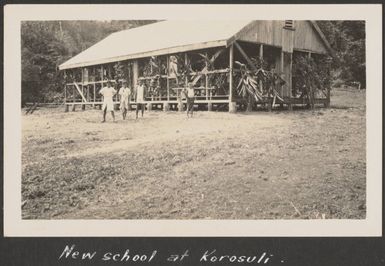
x=108, y=102
x=125, y=95
x=190, y=98
x=140, y=93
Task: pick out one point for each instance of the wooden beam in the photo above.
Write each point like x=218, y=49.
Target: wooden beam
x=185, y=62
x=290, y=80
x=168, y=81
x=82, y=70
x=231, y=63
x=261, y=57
x=282, y=68
x=248, y=60
x=73, y=99
x=102, y=74
x=65, y=93
x=135, y=72
x=206, y=78
x=94, y=94
x=80, y=92
x=212, y=60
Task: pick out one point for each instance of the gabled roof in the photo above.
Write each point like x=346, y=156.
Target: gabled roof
x=164, y=37
x=156, y=39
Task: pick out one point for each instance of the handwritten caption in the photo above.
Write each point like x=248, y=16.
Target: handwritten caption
x=70, y=252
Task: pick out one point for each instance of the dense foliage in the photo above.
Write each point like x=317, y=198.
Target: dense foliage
x=311, y=77
x=347, y=38
x=47, y=44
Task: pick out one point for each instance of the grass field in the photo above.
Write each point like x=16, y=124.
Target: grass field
x=281, y=165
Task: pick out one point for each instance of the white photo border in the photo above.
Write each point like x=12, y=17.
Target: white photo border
x=15, y=226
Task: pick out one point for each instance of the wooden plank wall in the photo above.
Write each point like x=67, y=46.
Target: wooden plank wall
x=306, y=38
x=270, y=32
x=287, y=40
x=265, y=32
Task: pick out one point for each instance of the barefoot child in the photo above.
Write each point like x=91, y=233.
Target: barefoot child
x=125, y=95
x=190, y=98
x=139, y=97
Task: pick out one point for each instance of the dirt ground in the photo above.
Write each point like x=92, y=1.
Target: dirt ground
x=281, y=165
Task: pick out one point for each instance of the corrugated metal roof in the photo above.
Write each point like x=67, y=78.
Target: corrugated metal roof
x=155, y=39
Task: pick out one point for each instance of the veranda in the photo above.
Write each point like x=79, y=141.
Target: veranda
x=212, y=69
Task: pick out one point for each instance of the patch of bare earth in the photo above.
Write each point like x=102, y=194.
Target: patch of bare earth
x=280, y=165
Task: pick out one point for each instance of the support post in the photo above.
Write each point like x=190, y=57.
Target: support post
x=135, y=73
x=290, y=80
x=73, y=99
x=166, y=107
x=168, y=80
x=180, y=103
x=282, y=70
x=327, y=103
x=66, y=109
x=65, y=93
x=269, y=104
x=209, y=106
x=206, y=79
x=93, y=105
x=149, y=106
x=83, y=106
x=185, y=63
x=102, y=76
x=260, y=57
x=232, y=105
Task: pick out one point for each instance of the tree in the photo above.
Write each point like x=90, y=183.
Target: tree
x=347, y=38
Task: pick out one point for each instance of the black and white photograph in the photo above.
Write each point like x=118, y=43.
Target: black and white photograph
x=143, y=119
x=192, y=120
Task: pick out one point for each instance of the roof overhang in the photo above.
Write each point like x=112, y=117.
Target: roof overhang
x=171, y=50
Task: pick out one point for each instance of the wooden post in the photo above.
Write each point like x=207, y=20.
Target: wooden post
x=66, y=109
x=166, y=106
x=83, y=105
x=73, y=99
x=206, y=79
x=65, y=91
x=209, y=106
x=327, y=104
x=282, y=70
x=93, y=105
x=186, y=62
x=180, y=103
x=168, y=81
x=135, y=73
x=290, y=80
x=260, y=57
x=102, y=76
x=232, y=105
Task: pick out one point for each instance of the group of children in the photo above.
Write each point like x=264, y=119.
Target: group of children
x=139, y=95
x=125, y=95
